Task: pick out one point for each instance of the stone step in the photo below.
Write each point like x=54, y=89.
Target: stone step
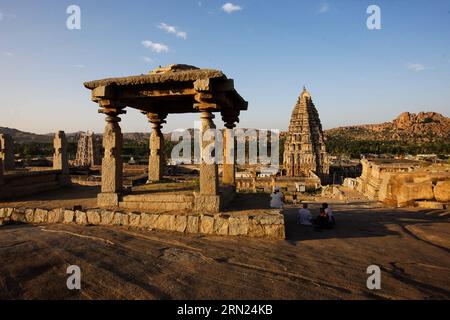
x=156, y=206
x=159, y=197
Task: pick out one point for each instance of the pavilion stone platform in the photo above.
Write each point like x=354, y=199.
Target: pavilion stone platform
x=176, y=89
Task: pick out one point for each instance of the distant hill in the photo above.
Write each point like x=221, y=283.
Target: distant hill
x=423, y=127
x=23, y=137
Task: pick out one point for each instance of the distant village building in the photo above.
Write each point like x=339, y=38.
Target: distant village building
x=88, y=151
x=304, y=149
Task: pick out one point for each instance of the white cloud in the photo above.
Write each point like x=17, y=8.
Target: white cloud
x=79, y=66
x=324, y=8
x=155, y=47
x=172, y=29
x=1, y=16
x=230, y=8
x=416, y=67
x=7, y=53
x=147, y=59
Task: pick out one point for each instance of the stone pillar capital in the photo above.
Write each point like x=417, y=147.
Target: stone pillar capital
x=156, y=119
x=112, y=110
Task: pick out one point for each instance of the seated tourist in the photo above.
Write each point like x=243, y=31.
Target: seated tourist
x=323, y=221
x=329, y=213
x=276, y=199
x=304, y=216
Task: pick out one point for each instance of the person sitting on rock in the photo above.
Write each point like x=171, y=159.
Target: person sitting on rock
x=304, y=216
x=322, y=221
x=276, y=199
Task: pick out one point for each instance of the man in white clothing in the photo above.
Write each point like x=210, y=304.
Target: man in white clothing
x=276, y=199
x=304, y=216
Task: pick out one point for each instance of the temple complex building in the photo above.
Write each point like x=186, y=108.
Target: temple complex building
x=88, y=151
x=304, y=149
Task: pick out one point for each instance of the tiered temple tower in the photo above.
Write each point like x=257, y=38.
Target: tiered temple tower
x=304, y=149
x=88, y=151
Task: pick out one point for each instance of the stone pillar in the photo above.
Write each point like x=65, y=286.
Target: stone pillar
x=60, y=158
x=1, y=172
x=156, y=158
x=229, y=170
x=112, y=165
x=209, y=183
x=7, y=151
x=208, y=200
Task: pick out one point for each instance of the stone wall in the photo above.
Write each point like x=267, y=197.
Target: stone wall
x=269, y=224
x=404, y=184
x=28, y=183
x=267, y=185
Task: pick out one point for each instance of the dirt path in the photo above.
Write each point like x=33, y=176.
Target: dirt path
x=118, y=263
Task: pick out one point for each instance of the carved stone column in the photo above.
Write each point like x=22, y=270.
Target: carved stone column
x=209, y=183
x=112, y=165
x=7, y=151
x=229, y=170
x=60, y=158
x=156, y=158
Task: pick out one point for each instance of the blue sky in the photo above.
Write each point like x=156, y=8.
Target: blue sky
x=270, y=48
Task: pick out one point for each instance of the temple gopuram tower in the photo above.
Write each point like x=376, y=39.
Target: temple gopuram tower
x=304, y=149
x=88, y=151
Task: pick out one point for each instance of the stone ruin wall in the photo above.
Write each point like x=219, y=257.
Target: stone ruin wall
x=269, y=225
x=402, y=186
x=28, y=183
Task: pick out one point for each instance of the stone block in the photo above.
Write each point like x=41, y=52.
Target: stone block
x=275, y=231
x=6, y=212
x=69, y=216
x=148, y=221
x=207, y=203
x=430, y=205
x=255, y=228
x=81, y=217
x=165, y=222
x=108, y=199
x=135, y=220
x=180, y=223
x=221, y=224
x=409, y=192
x=107, y=217
x=238, y=226
x=29, y=215
x=93, y=217
x=442, y=191
x=40, y=216
x=192, y=224
x=19, y=215
x=207, y=224
x=56, y=216
x=120, y=219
